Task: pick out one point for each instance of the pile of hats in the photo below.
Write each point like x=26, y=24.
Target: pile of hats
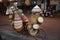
x=37, y=9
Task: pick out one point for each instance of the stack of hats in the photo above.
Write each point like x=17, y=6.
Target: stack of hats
x=36, y=9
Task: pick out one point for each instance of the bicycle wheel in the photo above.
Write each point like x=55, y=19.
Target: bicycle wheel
x=41, y=35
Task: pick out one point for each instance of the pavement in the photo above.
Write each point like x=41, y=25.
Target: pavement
x=50, y=25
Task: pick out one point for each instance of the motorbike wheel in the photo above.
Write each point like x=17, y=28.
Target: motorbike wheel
x=41, y=35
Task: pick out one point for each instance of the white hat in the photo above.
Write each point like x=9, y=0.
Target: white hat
x=36, y=9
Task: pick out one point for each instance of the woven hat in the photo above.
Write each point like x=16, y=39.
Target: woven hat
x=36, y=9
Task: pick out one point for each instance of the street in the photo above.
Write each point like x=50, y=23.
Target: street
x=50, y=25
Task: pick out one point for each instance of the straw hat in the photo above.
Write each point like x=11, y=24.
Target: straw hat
x=36, y=9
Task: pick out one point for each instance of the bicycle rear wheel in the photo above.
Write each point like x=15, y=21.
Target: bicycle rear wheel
x=41, y=35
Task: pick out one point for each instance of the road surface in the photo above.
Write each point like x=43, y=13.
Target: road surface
x=50, y=25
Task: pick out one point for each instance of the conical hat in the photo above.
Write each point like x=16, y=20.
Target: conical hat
x=36, y=9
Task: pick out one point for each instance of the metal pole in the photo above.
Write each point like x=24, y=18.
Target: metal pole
x=45, y=4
